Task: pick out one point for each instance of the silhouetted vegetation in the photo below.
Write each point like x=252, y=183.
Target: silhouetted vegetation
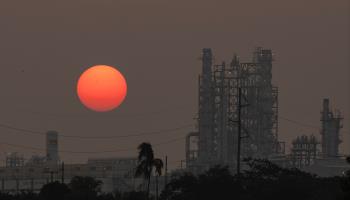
x=147, y=163
x=263, y=180
x=84, y=188
x=54, y=191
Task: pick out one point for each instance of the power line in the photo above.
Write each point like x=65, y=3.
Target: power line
x=299, y=123
x=179, y=108
x=305, y=124
x=24, y=131
x=91, y=152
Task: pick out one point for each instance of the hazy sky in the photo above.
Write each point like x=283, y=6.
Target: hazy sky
x=45, y=45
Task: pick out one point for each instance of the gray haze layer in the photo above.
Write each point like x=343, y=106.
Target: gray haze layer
x=45, y=45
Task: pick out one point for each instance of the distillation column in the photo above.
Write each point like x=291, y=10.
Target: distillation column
x=331, y=125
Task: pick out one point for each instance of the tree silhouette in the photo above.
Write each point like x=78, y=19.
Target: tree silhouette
x=146, y=164
x=133, y=195
x=84, y=188
x=345, y=182
x=54, y=191
x=216, y=183
x=183, y=187
x=264, y=180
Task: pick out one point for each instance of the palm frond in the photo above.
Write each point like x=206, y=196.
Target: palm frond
x=158, y=165
x=145, y=151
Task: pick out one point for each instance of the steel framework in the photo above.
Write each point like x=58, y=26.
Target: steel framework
x=304, y=151
x=218, y=106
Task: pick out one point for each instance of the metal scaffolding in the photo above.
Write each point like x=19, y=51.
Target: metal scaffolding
x=218, y=106
x=304, y=151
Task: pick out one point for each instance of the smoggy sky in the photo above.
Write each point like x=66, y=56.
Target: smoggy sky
x=46, y=45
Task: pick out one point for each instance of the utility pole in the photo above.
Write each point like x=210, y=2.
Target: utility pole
x=239, y=123
x=62, y=178
x=239, y=132
x=166, y=171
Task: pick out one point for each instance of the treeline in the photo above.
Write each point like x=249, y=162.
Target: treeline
x=79, y=188
x=264, y=180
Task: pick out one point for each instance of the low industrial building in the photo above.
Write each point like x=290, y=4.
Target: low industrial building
x=18, y=174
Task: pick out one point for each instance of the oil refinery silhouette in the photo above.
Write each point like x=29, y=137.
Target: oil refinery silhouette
x=238, y=118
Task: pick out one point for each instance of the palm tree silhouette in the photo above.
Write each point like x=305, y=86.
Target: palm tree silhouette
x=146, y=164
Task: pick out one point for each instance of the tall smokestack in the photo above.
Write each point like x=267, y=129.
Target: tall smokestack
x=207, y=59
x=52, y=147
x=325, y=108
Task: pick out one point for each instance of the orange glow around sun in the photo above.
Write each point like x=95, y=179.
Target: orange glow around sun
x=101, y=88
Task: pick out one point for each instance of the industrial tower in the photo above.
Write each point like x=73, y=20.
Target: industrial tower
x=216, y=140
x=52, y=147
x=331, y=125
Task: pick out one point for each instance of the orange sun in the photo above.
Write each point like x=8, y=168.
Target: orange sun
x=101, y=88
